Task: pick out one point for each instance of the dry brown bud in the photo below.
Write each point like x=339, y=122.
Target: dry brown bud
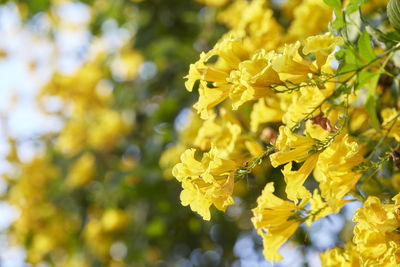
x=322, y=121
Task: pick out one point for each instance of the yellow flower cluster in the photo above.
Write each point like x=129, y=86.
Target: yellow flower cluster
x=270, y=87
x=376, y=240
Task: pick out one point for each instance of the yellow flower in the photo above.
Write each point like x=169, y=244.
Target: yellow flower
x=275, y=221
x=229, y=52
x=234, y=10
x=303, y=102
x=334, y=170
x=105, y=129
x=318, y=208
x=188, y=167
x=378, y=216
x=79, y=90
x=252, y=79
x=200, y=195
x=295, y=179
x=209, y=97
x=291, y=66
x=375, y=236
x=96, y=239
x=311, y=17
x=292, y=147
x=322, y=46
x=389, y=117
x=261, y=29
x=169, y=158
x=256, y=21
x=268, y=109
x=254, y=148
x=72, y=137
x=338, y=257
x=224, y=135
x=205, y=182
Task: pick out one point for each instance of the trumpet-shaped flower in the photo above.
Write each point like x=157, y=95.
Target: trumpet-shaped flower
x=205, y=182
x=213, y=87
x=253, y=78
x=275, y=220
x=322, y=46
x=268, y=109
x=303, y=102
x=295, y=179
x=291, y=66
x=292, y=147
x=334, y=170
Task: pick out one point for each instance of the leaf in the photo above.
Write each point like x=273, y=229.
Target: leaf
x=352, y=6
x=339, y=20
x=333, y=3
x=389, y=39
x=393, y=12
x=370, y=104
x=380, y=36
x=394, y=35
x=348, y=61
x=365, y=47
x=361, y=79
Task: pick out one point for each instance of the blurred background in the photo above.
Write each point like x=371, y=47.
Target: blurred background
x=91, y=94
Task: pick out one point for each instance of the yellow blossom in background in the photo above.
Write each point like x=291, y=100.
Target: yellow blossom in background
x=390, y=122
x=310, y=17
x=114, y=220
x=82, y=172
x=213, y=2
x=127, y=65
x=106, y=129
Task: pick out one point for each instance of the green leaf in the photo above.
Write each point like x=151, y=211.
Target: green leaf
x=370, y=103
x=380, y=36
x=361, y=79
x=352, y=6
x=339, y=21
x=333, y=3
x=394, y=35
x=365, y=47
x=348, y=61
x=393, y=12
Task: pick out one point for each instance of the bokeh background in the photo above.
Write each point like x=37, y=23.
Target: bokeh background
x=91, y=94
